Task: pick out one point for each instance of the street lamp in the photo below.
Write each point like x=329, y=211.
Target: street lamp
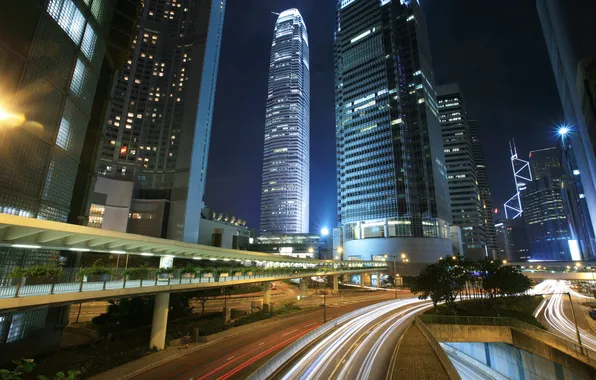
x=563, y=131
x=324, y=231
x=311, y=250
x=11, y=119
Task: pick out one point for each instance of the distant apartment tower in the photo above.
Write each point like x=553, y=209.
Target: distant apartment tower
x=391, y=176
x=461, y=170
x=286, y=162
x=486, y=209
x=159, y=124
x=569, y=29
x=547, y=226
x=58, y=60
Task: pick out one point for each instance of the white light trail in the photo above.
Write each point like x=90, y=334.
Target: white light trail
x=555, y=315
x=312, y=363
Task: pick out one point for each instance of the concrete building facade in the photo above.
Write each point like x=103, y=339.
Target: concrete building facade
x=568, y=29
x=159, y=123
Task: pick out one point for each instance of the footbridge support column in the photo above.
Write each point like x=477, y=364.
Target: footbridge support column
x=266, y=295
x=335, y=283
x=160, y=321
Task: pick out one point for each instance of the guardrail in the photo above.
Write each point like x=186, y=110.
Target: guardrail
x=71, y=280
x=287, y=353
x=554, y=339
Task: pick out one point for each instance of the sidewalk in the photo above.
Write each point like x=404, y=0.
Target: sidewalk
x=416, y=358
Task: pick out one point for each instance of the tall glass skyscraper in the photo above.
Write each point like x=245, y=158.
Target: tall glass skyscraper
x=392, y=183
x=461, y=170
x=546, y=222
x=285, y=181
x=159, y=123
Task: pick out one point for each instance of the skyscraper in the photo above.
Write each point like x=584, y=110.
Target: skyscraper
x=285, y=181
x=391, y=175
x=159, y=124
x=58, y=60
x=461, y=169
x=569, y=29
x=486, y=209
x=546, y=222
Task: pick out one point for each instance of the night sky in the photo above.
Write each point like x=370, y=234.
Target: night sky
x=494, y=49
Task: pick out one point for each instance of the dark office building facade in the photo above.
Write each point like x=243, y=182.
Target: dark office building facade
x=391, y=175
x=547, y=226
x=58, y=60
x=486, y=208
x=461, y=170
x=159, y=123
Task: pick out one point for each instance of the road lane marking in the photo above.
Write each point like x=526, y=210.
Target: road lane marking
x=310, y=324
x=289, y=332
x=230, y=358
x=262, y=343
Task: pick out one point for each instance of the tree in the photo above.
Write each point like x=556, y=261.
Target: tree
x=441, y=281
x=203, y=295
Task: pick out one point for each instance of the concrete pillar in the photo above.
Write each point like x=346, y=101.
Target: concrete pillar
x=362, y=280
x=378, y=279
x=160, y=321
x=303, y=287
x=335, y=283
x=266, y=294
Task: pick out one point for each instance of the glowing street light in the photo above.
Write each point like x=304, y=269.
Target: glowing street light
x=340, y=249
x=563, y=131
x=324, y=231
x=504, y=261
x=10, y=119
x=311, y=250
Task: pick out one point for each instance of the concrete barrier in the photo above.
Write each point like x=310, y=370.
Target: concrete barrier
x=470, y=333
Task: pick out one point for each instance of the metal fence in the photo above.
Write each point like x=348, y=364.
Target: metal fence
x=71, y=280
x=287, y=353
x=541, y=334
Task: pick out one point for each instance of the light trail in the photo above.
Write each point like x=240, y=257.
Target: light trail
x=554, y=314
x=318, y=359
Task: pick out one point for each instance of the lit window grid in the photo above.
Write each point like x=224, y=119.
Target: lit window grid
x=285, y=181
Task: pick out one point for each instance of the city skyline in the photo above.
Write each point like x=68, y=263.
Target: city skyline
x=236, y=85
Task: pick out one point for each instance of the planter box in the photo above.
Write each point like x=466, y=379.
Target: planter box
x=136, y=277
x=98, y=277
x=36, y=280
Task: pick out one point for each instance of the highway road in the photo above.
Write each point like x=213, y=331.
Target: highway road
x=361, y=348
x=237, y=357
x=556, y=314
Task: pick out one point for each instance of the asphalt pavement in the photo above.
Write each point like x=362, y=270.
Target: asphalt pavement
x=239, y=356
